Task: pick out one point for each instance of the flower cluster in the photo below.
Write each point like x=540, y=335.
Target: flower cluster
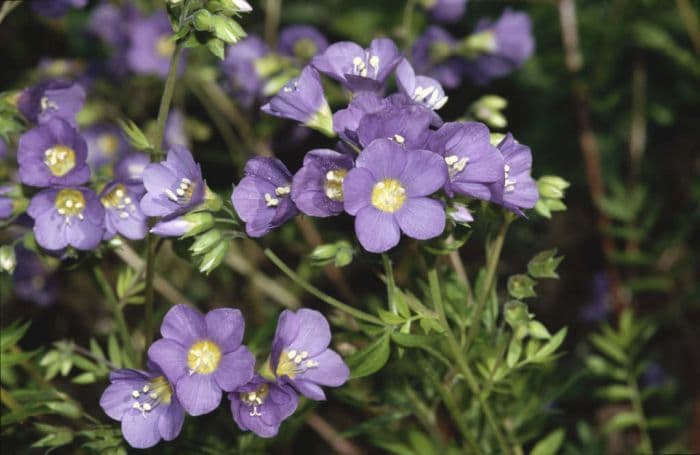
x=398, y=167
x=201, y=357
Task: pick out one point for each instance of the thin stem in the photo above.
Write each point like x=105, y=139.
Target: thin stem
x=645, y=444
x=390, y=283
x=320, y=294
x=690, y=20
x=461, y=271
x=163, y=111
x=462, y=365
x=117, y=310
x=422, y=412
x=9, y=401
x=491, y=264
x=272, y=20
x=407, y=22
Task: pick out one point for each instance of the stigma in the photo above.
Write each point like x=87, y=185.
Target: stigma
x=333, y=184
x=280, y=191
x=59, y=159
x=151, y=395
x=293, y=363
x=255, y=398
x=388, y=195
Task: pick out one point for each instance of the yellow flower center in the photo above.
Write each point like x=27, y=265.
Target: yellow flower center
x=388, y=195
x=292, y=363
x=333, y=186
x=116, y=197
x=165, y=46
x=148, y=397
x=203, y=357
x=59, y=159
x=108, y=143
x=70, y=203
x=255, y=398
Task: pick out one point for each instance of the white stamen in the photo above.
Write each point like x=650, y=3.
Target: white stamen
x=271, y=201
x=170, y=194
x=135, y=393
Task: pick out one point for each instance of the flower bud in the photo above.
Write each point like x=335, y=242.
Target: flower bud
x=459, y=213
x=212, y=201
x=227, y=29
x=213, y=258
x=322, y=121
x=552, y=186
x=8, y=260
x=206, y=242
x=516, y=313
x=202, y=20
x=496, y=138
x=184, y=226
x=340, y=253
x=217, y=48
x=477, y=44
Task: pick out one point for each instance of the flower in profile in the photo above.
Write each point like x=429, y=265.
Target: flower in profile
x=202, y=355
x=151, y=45
x=387, y=193
x=52, y=99
x=301, y=41
x=473, y=164
x=105, y=144
x=516, y=190
x=130, y=168
x=52, y=154
x=317, y=188
x=262, y=199
x=243, y=66
x=123, y=213
x=502, y=46
x=260, y=406
x=433, y=55
x=421, y=89
x=301, y=357
x=407, y=125
x=447, y=11
x=302, y=99
x=67, y=217
x=184, y=226
x=144, y=403
x=346, y=121
x=173, y=186
x=56, y=8
x=357, y=68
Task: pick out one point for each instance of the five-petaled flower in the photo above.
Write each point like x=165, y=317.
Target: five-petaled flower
x=317, y=188
x=123, y=213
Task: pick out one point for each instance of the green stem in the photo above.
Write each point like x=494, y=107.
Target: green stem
x=163, y=111
x=492, y=264
x=272, y=20
x=645, y=444
x=390, y=283
x=407, y=21
x=462, y=365
x=320, y=294
x=118, y=313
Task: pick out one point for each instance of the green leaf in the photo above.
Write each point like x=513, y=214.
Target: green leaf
x=550, y=444
x=401, y=304
x=515, y=349
x=85, y=378
x=550, y=347
x=69, y=410
x=609, y=348
x=55, y=436
x=371, y=359
x=10, y=335
x=544, y=264
x=521, y=287
x=621, y=421
x=390, y=318
x=114, y=351
x=615, y=392
x=537, y=330
x=425, y=342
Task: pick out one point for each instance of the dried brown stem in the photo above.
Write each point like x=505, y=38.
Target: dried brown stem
x=339, y=444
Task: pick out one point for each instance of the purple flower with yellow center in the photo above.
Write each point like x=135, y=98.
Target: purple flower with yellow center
x=317, y=188
x=202, y=355
x=52, y=154
x=433, y=55
x=105, y=144
x=52, y=99
x=359, y=69
x=67, y=217
x=346, y=121
x=151, y=45
x=260, y=406
x=421, y=89
x=243, y=67
x=387, y=193
x=516, y=190
x=56, y=8
x=446, y=10
x=501, y=46
x=123, y=213
x=301, y=357
x=302, y=41
x=144, y=403
x=262, y=199
x=473, y=164
x=408, y=126
x=302, y=99
x=173, y=186
x=130, y=168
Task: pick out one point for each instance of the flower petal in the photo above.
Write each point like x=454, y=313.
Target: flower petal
x=331, y=370
x=425, y=172
x=225, y=326
x=377, y=231
x=198, y=393
x=357, y=189
x=314, y=333
x=184, y=324
x=170, y=357
x=421, y=218
x=140, y=429
x=235, y=369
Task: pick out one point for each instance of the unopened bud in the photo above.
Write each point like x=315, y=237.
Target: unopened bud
x=213, y=258
x=202, y=20
x=227, y=29
x=8, y=260
x=184, y=226
x=206, y=242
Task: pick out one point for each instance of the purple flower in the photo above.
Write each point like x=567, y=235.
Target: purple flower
x=262, y=199
x=421, y=89
x=260, y=406
x=173, y=186
x=151, y=45
x=386, y=192
x=517, y=190
x=131, y=167
x=242, y=66
x=473, y=164
x=202, y=355
x=356, y=68
x=123, y=213
x=506, y=44
x=6, y=204
x=67, y=217
x=33, y=281
x=447, y=10
x=302, y=99
x=317, y=188
x=346, y=121
x=105, y=144
x=52, y=154
x=52, y=99
x=598, y=308
x=56, y=8
x=432, y=55
x=301, y=357
x=301, y=41
x=144, y=402
x=408, y=126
